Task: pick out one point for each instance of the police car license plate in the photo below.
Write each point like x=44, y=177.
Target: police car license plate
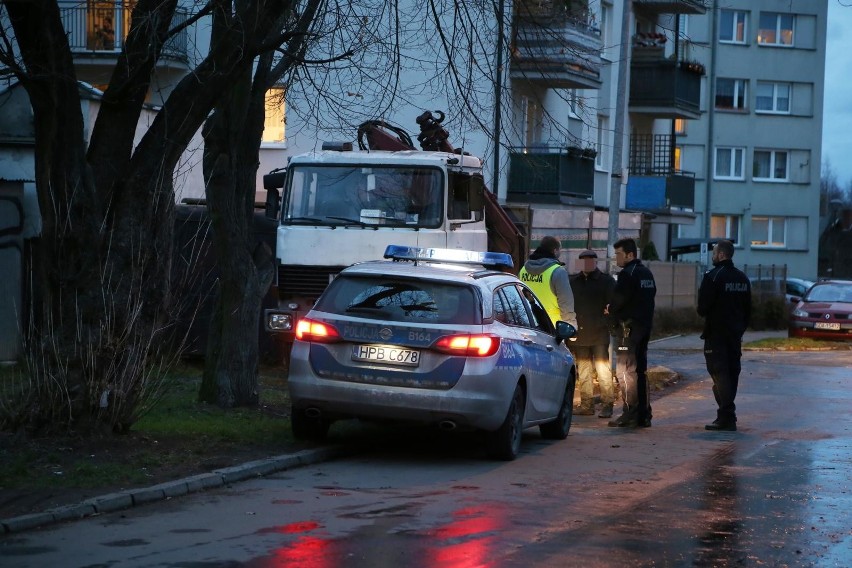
x=827, y=325
x=388, y=354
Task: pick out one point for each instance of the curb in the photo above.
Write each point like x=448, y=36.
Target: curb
x=135, y=497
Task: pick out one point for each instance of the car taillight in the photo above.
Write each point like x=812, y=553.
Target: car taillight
x=468, y=345
x=310, y=330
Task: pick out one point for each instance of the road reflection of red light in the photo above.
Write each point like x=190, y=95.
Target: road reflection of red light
x=305, y=552
x=466, y=541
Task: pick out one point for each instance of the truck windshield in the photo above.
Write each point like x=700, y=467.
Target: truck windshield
x=364, y=196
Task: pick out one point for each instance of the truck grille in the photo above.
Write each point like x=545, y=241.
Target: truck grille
x=304, y=280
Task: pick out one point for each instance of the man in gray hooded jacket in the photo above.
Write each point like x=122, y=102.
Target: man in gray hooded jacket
x=548, y=279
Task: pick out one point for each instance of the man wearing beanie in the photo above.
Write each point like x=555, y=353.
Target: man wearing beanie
x=592, y=293
x=548, y=279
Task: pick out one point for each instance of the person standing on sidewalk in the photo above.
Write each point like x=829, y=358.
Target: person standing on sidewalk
x=548, y=279
x=724, y=301
x=632, y=308
x=592, y=293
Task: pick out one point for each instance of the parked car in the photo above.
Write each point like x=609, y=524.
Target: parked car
x=433, y=336
x=796, y=289
x=824, y=312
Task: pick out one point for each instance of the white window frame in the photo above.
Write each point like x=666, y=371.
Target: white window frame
x=776, y=236
x=776, y=98
x=731, y=231
x=774, y=156
x=737, y=158
x=740, y=94
x=739, y=26
x=603, y=127
x=275, y=118
x=778, y=31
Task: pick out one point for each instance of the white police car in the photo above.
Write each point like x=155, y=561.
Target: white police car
x=436, y=336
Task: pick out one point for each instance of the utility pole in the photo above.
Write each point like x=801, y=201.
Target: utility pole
x=619, y=171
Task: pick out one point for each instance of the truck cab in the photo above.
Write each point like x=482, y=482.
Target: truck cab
x=338, y=208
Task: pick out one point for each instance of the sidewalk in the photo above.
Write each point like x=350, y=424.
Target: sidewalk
x=693, y=342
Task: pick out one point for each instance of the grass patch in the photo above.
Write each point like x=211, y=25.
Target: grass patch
x=796, y=344
x=178, y=436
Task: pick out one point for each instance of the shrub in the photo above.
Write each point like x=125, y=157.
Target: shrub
x=673, y=321
x=769, y=313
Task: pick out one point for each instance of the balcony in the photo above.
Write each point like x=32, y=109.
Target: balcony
x=654, y=183
x=671, y=6
x=551, y=175
x=555, y=47
x=96, y=31
x=664, y=88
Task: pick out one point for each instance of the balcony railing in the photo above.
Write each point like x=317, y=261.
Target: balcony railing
x=666, y=191
x=102, y=27
x=551, y=175
x=672, y=6
x=665, y=88
x=556, y=49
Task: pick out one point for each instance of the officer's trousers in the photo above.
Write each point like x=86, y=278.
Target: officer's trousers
x=631, y=366
x=723, y=355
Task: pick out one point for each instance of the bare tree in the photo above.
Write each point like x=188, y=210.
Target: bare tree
x=100, y=269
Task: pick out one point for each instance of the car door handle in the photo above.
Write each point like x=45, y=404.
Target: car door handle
x=527, y=339
x=550, y=347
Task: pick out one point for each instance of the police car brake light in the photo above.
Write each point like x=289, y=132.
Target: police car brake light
x=317, y=331
x=468, y=345
x=452, y=256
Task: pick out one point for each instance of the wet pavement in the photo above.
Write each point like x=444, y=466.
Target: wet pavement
x=775, y=493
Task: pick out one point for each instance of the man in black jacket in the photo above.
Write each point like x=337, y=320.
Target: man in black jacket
x=632, y=308
x=592, y=292
x=724, y=300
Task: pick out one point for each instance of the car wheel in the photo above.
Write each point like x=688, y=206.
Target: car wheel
x=505, y=442
x=559, y=428
x=308, y=428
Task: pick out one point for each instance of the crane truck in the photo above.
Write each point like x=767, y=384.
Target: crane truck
x=339, y=206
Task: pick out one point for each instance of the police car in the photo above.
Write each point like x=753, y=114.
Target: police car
x=436, y=336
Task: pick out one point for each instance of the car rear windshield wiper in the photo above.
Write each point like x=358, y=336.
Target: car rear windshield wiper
x=367, y=309
x=302, y=220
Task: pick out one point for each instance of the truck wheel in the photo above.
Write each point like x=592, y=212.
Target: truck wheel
x=505, y=442
x=558, y=429
x=307, y=428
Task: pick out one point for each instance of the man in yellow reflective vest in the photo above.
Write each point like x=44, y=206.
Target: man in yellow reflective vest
x=548, y=279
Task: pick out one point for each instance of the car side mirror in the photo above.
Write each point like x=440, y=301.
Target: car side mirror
x=565, y=330
x=795, y=299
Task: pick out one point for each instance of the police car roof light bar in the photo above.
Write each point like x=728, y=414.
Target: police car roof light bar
x=451, y=256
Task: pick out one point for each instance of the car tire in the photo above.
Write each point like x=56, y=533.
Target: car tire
x=558, y=429
x=505, y=442
x=308, y=428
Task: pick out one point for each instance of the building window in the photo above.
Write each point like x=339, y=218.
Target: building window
x=768, y=232
x=732, y=26
x=731, y=94
x=678, y=152
x=772, y=97
x=776, y=29
x=725, y=227
x=275, y=122
x=573, y=103
x=770, y=165
x=532, y=121
x=730, y=163
x=680, y=126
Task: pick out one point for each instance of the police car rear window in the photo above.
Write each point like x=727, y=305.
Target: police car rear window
x=401, y=300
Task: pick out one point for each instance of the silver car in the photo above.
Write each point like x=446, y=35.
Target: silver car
x=436, y=336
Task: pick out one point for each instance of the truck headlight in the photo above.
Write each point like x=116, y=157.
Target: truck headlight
x=276, y=321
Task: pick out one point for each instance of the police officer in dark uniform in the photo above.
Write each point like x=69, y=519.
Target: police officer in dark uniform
x=724, y=300
x=632, y=308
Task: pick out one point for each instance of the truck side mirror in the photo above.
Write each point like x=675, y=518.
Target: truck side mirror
x=273, y=203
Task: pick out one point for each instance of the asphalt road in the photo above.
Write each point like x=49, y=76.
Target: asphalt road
x=775, y=493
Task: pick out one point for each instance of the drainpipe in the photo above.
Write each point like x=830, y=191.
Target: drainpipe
x=711, y=119
x=498, y=95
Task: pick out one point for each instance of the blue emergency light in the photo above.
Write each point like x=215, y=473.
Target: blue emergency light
x=450, y=256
